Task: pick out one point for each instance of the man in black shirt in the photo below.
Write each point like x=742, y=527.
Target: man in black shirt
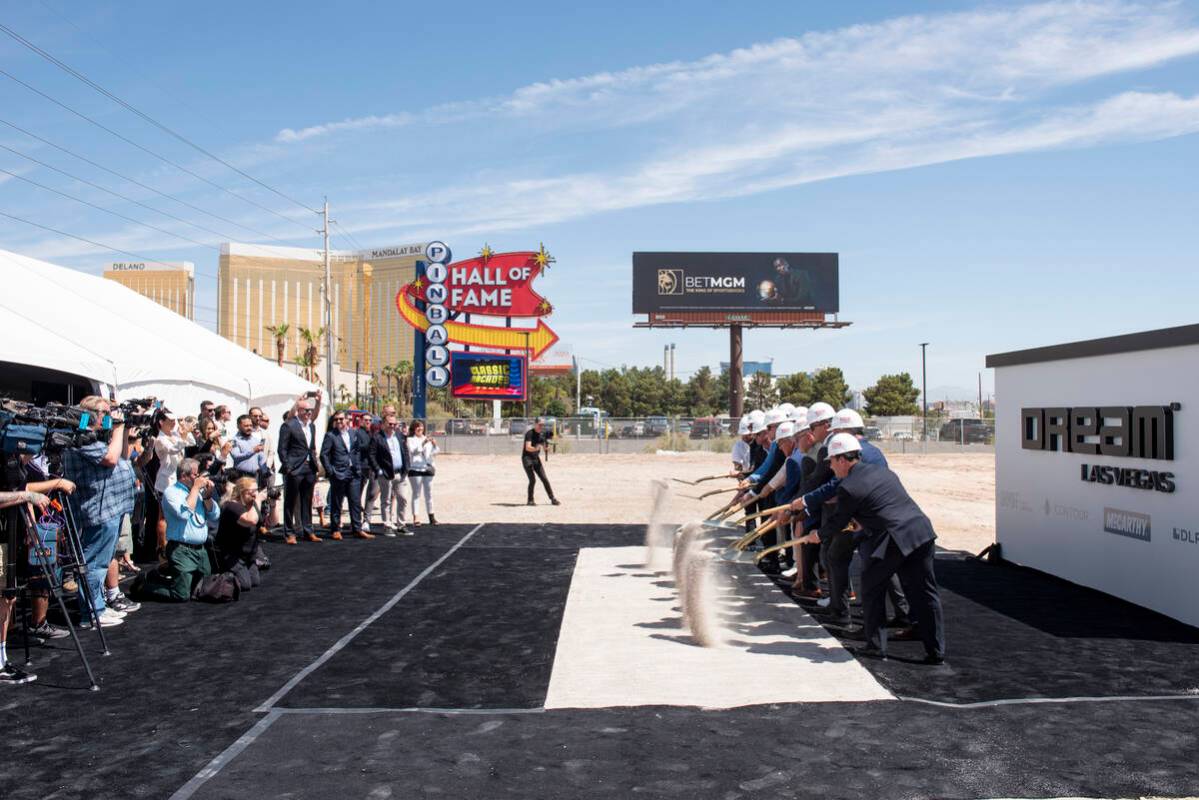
x=530, y=459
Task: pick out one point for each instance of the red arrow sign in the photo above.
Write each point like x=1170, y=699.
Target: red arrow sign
x=497, y=285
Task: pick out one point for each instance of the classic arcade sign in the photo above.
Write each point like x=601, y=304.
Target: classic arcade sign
x=484, y=376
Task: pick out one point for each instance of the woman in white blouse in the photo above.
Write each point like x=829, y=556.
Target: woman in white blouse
x=421, y=450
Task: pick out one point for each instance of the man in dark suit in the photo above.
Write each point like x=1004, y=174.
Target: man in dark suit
x=344, y=459
x=389, y=464
x=297, y=460
x=895, y=538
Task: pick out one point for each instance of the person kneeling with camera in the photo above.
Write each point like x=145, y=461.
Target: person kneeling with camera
x=237, y=535
x=188, y=506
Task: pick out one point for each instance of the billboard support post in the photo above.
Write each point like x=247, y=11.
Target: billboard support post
x=736, y=367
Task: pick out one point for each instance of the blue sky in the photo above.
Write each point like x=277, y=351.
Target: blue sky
x=994, y=176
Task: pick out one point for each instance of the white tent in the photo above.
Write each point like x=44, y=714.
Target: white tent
x=61, y=319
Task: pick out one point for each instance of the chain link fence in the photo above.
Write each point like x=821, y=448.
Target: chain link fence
x=594, y=435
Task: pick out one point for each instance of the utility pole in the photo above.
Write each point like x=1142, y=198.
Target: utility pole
x=924, y=386
x=327, y=291
x=672, y=361
x=578, y=385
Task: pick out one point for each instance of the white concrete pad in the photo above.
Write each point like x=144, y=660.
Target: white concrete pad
x=623, y=643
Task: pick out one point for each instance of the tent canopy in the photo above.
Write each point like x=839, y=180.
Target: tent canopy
x=66, y=320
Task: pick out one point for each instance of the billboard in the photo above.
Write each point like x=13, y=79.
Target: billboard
x=791, y=282
x=485, y=376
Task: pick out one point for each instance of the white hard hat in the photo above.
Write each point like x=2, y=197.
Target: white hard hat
x=743, y=426
x=757, y=413
x=819, y=412
x=784, y=430
x=756, y=425
x=847, y=418
x=774, y=416
x=787, y=409
x=799, y=414
x=841, y=443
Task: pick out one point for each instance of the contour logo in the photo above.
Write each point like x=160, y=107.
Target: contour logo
x=1126, y=523
x=670, y=281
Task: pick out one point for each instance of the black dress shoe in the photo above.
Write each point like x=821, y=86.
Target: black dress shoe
x=555, y=501
x=834, y=621
x=530, y=503
x=850, y=631
x=933, y=659
x=868, y=651
x=769, y=566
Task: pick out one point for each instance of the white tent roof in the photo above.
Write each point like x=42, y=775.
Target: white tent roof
x=98, y=329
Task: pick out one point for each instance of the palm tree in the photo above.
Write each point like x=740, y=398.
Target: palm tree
x=280, y=333
x=387, y=371
x=302, y=361
x=311, y=341
x=403, y=373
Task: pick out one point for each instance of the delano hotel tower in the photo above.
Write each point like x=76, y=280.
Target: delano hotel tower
x=170, y=284
x=260, y=285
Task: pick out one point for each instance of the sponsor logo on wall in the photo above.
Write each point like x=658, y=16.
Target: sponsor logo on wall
x=1132, y=432
x=1132, y=524
x=1187, y=535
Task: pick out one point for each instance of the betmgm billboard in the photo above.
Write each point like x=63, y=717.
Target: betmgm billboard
x=735, y=282
x=1096, y=464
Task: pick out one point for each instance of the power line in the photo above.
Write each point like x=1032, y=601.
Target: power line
x=106, y=190
x=88, y=81
x=90, y=204
x=148, y=151
x=139, y=184
x=92, y=242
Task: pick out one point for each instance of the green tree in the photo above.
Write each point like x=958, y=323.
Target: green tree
x=702, y=394
x=828, y=386
x=795, y=388
x=892, y=396
x=760, y=391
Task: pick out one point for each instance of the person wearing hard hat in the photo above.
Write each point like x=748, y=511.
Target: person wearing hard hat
x=894, y=538
x=820, y=418
x=792, y=473
x=741, y=461
x=753, y=485
x=836, y=545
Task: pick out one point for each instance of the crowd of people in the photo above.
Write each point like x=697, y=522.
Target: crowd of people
x=195, y=497
x=837, y=509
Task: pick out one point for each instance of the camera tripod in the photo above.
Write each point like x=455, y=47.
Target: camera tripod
x=73, y=563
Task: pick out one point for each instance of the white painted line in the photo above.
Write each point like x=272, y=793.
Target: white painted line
x=228, y=754
x=1021, y=701
x=410, y=710
x=349, y=637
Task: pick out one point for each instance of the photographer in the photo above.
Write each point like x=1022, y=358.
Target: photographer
x=237, y=533
x=189, y=506
x=104, y=481
x=10, y=674
x=169, y=448
x=536, y=440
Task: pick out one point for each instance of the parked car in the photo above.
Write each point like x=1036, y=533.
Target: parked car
x=968, y=431
x=657, y=426
x=634, y=430
x=706, y=428
x=518, y=426
x=902, y=436
x=872, y=433
x=683, y=426
x=457, y=427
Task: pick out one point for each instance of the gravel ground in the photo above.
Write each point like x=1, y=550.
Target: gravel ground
x=957, y=491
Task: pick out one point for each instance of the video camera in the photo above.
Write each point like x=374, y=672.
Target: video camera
x=28, y=429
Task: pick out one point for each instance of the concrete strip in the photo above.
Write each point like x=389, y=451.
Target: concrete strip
x=623, y=643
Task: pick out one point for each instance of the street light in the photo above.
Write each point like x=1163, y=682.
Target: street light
x=924, y=385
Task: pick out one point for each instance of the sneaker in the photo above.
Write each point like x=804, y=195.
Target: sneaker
x=404, y=530
x=824, y=602
x=48, y=631
x=108, y=619
x=13, y=675
x=388, y=532
x=789, y=572
x=123, y=604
